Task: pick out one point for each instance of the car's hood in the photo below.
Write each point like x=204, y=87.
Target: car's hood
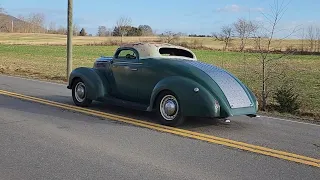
x=230, y=85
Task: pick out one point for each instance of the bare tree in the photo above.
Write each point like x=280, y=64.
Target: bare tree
x=62, y=30
x=75, y=29
x=2, y=10
x=35, y=23
x=270, y=71
x=244, y=29
x=52, y=28
x=37, y=20
x=25, y=27
x=122, y=24
x=3, y=26
x=170, y=37
x=102, y=31
x=225, y=35
x=302, y=40
x=311, y=37
x=318, y=38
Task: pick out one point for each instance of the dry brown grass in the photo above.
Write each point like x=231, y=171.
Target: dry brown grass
x=53, y=39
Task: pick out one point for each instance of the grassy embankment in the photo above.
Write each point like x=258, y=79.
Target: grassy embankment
x=49, y=62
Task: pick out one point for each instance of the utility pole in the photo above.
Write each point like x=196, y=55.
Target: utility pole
x=69, y=39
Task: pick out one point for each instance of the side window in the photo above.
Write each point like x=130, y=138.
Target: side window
x=126, y=54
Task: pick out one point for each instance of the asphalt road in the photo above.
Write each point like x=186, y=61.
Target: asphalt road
x=283, y=135
x=43, y=142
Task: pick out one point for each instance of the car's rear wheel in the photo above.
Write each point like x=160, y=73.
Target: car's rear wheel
x=79, y=93
x=169, y=109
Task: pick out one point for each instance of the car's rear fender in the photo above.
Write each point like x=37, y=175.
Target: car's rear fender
x=201, y=103
x=97, y=85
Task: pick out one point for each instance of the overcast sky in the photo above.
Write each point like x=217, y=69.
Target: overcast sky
x=187, y=16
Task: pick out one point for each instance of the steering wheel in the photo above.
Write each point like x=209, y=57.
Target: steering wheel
x=129, y=56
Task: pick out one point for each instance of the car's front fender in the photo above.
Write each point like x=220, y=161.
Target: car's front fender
x=97, y=85
x=193, y=103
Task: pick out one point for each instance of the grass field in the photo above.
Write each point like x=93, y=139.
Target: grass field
x=49, y=62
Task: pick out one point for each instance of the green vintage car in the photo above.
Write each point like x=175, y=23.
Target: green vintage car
x=164, y=78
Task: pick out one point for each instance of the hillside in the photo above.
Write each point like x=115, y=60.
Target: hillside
x=6, y=22
x=10, y=23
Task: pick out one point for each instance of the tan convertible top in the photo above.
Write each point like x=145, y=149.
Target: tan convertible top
x=157, y=50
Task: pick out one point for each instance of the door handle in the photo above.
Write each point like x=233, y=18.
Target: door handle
x=134, y=69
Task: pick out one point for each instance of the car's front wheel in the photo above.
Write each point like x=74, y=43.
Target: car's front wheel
x=79, y=93
x=169, y=109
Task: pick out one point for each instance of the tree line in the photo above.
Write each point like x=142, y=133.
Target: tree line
x=245, y=30
x=36, y=23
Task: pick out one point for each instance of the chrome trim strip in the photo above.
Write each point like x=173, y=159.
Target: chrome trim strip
x=128, y=63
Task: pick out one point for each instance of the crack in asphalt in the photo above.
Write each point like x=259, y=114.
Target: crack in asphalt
x=6, y=85
x=318, y=146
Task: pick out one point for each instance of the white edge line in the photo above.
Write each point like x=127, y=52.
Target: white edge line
x=299, y=122
x=35, y=80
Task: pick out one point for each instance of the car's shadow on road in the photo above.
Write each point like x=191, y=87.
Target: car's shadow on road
x=191, y=123
x=201, y=125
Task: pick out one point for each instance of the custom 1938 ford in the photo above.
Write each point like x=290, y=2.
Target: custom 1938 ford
x=164, y=78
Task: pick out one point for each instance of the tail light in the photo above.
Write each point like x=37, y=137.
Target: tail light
x=216, y=107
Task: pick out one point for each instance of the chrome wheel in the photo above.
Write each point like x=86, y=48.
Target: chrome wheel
x=80, y=93
x=169, y=107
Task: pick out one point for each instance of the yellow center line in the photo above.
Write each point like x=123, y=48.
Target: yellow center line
x=176, y=131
